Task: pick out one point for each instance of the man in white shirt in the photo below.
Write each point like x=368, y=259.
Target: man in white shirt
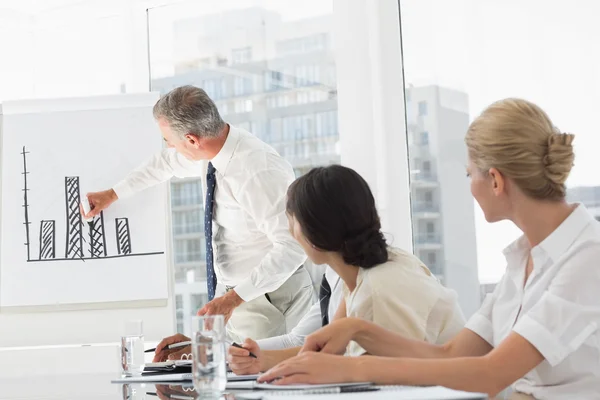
x=319, y=315
x=255, y=272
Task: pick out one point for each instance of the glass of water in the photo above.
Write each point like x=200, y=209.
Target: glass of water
x=208, y=354
x=132, y=348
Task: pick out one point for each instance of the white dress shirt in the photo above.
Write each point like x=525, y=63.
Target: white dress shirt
x=253, y=248
x=403, y=296
x=558, y=310
x=311, y=322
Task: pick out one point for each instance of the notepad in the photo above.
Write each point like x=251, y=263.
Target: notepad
x=386, y=393
x=270, y=386
x=264, y=389
x=170, y=363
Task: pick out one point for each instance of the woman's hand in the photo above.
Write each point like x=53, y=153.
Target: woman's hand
x=313, y=368
x=333, y=338
x=240, y=361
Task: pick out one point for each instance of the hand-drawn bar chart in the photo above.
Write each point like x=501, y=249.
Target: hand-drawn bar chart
x=84, y=241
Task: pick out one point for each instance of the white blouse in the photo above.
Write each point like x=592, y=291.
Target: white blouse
x=558, y=310
x=403, y=296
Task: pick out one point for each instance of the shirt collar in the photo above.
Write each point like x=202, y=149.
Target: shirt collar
x=557, y=243
x=221, y=160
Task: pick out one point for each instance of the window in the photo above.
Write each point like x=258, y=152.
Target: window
x=307, y=75
x=302, y=98
x=242, y=85
x=273, y=80
x=241, y=56
x=327, y=124
x=213, y=88
x=424, y=138
x=422, y=108
x=186, y=222
x=189, y=250
x=426, y=167
x=430, y=227
x=472, y=78
x=428, y=197
x=198, y=301
x=185, y=193
x=243, y=106
x=303, y=44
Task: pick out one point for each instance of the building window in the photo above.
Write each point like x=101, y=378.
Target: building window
x=241, y=56
x=273, y=80
x=214, y=88
x=430, y=228
x=304, y=44
x=243, y=106
x=422, y=108
x=327, y=124
x=424, y=138
x=185, y=222
x=302, y=97
x=186, y=193
x=189, y=250
x=242, y=86
x=426, y=168
x=431, y=262
x=292, y=129
x=198, y=301
x=428, y=197
x=275, y=128
x=223, y=109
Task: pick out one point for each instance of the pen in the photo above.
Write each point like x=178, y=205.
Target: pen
x=171, y=346
x=240, y=347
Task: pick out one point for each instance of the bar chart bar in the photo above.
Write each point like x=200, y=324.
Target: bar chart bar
x=74, y=248
x=123, y=236
x=47, y=240
x=97, y=237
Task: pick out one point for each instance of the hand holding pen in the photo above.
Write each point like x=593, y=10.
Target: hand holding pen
x=174, y=347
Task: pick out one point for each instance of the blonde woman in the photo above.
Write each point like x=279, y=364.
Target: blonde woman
x=539, y=330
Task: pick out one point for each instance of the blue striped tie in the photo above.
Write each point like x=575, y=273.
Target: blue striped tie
x=211, y=184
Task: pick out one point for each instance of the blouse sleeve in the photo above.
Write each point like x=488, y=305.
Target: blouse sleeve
x=568, y=313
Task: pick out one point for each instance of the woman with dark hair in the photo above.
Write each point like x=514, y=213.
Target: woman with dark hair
x=332, y=214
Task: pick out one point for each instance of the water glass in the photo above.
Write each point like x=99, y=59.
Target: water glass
x=208, y=354
x=132, y=348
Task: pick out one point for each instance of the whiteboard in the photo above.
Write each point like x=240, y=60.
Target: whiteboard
x=53, y=152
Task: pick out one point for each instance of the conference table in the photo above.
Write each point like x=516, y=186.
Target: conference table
x=95, y=387
x=99, y=387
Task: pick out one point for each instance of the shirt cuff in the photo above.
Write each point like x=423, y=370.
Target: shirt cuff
x=247, y=291
x=481, y=326
x=123, y=190
x=542, y=339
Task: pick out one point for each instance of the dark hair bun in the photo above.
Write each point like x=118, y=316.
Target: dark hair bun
x=366, y=249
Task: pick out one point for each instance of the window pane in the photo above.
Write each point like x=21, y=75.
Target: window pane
x=461, y=56
x=271, y=71
x=71, y=50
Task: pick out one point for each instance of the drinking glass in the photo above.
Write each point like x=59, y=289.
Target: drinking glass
x=208, y=355
x=132, y=348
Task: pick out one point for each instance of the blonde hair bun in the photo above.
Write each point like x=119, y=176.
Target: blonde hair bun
x=518, y=138
x=559, y=160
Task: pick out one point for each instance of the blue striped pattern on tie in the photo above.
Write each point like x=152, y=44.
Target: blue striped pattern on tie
x=211, y=184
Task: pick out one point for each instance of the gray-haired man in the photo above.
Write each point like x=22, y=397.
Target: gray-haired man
x=254, y=267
